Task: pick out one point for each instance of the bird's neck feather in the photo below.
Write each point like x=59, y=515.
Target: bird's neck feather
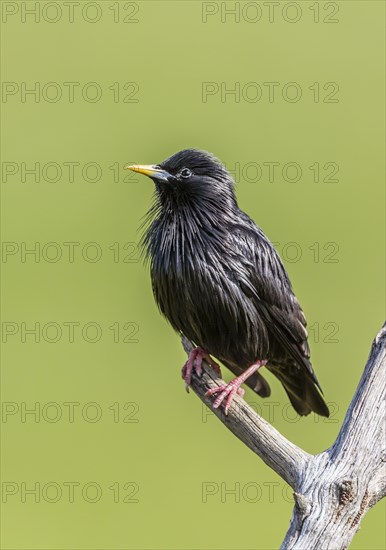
x=179, y=223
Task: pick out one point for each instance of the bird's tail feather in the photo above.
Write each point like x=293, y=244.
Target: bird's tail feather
x=259, y=384
x=301, y=390
x=298, y=384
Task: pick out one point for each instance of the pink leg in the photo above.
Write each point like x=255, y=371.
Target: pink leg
x=233, y=387
x=194, y=363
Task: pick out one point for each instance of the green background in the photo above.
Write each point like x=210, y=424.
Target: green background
x=169, y=448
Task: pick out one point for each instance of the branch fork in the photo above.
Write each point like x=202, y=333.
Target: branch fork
x=333, y=490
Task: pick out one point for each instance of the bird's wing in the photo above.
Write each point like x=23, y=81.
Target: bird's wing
x=264, y=279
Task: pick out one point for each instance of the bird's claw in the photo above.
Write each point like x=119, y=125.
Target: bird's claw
x=225, y=390
x=234, y=387
x=194, y=363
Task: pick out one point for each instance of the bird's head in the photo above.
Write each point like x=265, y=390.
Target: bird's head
x=191, y=175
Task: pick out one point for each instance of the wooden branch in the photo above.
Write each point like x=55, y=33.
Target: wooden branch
x=334, y=489
x=281, y=455
x=342, y=483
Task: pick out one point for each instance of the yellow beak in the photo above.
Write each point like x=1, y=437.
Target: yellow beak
x=149, y=170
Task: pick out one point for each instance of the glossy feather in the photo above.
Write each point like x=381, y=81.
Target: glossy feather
x=218, y=279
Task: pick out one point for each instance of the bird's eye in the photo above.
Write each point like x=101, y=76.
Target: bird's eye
x=185, y=173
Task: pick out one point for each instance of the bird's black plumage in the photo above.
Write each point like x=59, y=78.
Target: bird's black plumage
x=219, y=280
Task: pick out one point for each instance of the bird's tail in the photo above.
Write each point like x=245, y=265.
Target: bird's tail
x=301, y=390
x=298, y=383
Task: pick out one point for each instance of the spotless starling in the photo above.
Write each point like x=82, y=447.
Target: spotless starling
x=219, y=281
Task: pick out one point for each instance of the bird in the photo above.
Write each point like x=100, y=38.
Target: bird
x=220, y=282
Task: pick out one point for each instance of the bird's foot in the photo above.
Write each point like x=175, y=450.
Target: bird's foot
x=194, y=363
x=234, y=387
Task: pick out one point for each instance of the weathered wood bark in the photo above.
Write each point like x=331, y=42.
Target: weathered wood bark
x=332, y=490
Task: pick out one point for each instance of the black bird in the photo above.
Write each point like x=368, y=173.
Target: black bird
x=219, y=281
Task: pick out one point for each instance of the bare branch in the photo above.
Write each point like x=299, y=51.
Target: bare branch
x=281, y=455
x=335, y=489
